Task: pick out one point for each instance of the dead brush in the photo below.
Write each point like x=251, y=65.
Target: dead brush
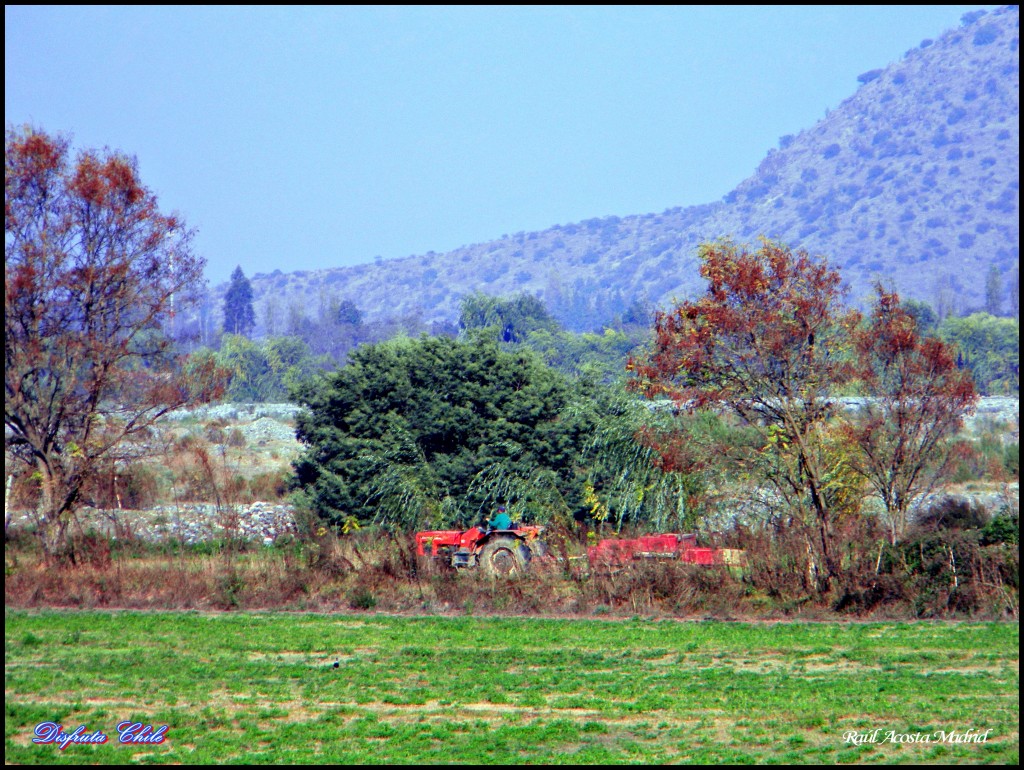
x=619, y=587
x=537, y=592
x=84, y=549
x=715, y=591
x=328, y=555
x=777, y=562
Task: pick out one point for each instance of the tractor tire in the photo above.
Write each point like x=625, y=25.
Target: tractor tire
x=539, y=549
x=504, y=557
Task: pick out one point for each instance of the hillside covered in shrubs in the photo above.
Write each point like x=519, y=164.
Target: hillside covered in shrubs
x=912, y=180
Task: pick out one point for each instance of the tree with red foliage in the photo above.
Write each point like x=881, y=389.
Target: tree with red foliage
x=919, y=399
x=92, y=271
x=766, y=342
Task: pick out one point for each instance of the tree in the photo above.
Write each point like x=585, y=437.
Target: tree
x=265, y=371
x=348, y=314
x=651, y=467
x=924, y=316
x=429, y=430
x=93, y=269
x=918, y=400
x=765, y=342
x=989, y=347
x=993, y=291
x=239, y=317
x=252, y=379
x=511, y=318
x=600, y=356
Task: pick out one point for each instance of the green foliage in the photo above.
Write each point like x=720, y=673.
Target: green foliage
x=405, y=488
x=601, y=357
x=951, y=553
x=923, y=314
x=511, y=319
x=348, y=313
x=650, y=466
x=401, y=434
x=990, y=348
x=1003, y=528
x=994, y=290
x=239, y=317
x=265, y=371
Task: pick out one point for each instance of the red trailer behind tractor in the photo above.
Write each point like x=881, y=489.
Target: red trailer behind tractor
x=615, y=553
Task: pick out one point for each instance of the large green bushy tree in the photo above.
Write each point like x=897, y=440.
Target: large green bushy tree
x=432, y=431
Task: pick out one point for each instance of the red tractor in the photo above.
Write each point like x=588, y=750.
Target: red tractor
x=498, y=551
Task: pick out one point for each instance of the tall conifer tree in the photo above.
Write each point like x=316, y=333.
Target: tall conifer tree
x=239, y=317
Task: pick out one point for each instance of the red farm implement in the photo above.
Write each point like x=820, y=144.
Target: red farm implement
x=616, y=553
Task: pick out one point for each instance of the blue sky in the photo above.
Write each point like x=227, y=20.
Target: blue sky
x=304, y=138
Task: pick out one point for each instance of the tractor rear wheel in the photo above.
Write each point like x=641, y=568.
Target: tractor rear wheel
x=504, y=556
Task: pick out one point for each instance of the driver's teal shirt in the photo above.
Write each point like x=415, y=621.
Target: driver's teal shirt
x=501, y=521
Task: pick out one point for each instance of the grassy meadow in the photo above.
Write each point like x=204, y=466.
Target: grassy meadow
x=264, y=688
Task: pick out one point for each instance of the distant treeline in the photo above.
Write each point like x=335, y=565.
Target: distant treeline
x=577, y=336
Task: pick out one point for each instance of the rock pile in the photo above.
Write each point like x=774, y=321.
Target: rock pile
x=189, y=522
x=266, y=430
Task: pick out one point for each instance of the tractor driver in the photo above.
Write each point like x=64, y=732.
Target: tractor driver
x=501, y=519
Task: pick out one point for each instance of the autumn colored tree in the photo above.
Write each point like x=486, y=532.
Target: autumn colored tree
x=93, y=269
x=239, y=317
x=765, y=342
x=919, y=399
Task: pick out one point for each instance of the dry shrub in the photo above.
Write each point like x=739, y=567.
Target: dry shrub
x=86, y=549
x=326, y=553
x=269, y=486
x=215, y=434
x=140, y=488
x=24, y=494
x=665, y=587
x=868, y=593
x=194, y=473
x=368, y=571
x=778, y=564
x=862, y=588
x=446, y=587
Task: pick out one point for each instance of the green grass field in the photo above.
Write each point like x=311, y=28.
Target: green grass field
x=247, y=688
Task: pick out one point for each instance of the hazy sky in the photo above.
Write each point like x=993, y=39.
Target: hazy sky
x=302, y=138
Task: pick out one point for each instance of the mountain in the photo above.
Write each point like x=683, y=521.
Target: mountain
x=914, y=180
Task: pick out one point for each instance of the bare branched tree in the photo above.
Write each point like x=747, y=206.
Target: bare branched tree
x=92, y=276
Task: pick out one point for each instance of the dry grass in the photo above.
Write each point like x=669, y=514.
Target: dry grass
x=361, y=575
